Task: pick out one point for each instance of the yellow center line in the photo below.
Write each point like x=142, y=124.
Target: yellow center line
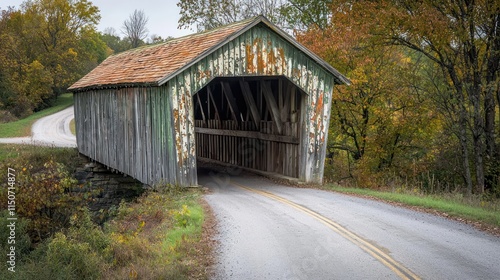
x=396, y=267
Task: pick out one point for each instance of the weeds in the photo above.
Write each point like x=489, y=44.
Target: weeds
x=151, y=238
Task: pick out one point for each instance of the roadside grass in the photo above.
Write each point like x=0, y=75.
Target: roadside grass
x=37, y=155
x=22, y=128
x=157, y=237
x=457, y=206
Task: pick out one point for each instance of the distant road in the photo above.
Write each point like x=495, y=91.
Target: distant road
x=271, y=231
x=52, y=130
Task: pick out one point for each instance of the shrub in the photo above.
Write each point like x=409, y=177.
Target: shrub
x=43, y=195
x=22, y=240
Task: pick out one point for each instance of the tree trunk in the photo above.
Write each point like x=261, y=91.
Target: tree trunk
x=462, y=127
x=489, y=122
x=465, y=150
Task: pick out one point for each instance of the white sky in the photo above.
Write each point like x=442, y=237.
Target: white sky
x=163, y=15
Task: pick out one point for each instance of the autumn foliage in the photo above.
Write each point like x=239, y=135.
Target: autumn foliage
x=46, y=193
x=45, y=46
x=422, y=102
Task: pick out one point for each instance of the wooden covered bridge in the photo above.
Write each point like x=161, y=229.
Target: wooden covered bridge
x=245, y=94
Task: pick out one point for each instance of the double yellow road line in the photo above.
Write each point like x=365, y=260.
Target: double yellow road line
x=396, y=267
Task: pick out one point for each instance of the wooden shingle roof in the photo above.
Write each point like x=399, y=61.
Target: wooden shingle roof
x=149, y=64
x=155, y=64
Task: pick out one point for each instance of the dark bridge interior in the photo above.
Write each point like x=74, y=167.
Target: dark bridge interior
x=251, y=122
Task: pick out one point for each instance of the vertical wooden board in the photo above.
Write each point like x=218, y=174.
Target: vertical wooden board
x=134, y=124
x=235, y=51
x=126, y=157
x=137, y=134
x=154, y=104
x=228, y=58
x=140, y=133
x=304, y=139
x=193, y=178
x=105, y=111
x=113, y=124
x=128, y=132
x=176, y=130
x=121, y=136
x=153, y=133
x=243, y=56
x=145, y=159
x=169, y=152
x=164, y=172
x=147, y=139
x=163, y=165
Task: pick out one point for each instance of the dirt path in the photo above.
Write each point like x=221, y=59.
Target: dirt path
x=51, y=130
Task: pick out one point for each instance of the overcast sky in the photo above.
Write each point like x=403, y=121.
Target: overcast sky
x=163, y=14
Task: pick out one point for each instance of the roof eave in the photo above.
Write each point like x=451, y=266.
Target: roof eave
x=110, y=86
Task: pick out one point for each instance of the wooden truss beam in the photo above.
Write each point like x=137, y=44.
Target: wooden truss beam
x=247, y=95
x=273, y=107
x=235, y=112
x=201, y=108
x=211, y=100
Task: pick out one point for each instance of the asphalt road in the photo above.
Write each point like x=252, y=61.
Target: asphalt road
x=52, y=130
x=271, y=231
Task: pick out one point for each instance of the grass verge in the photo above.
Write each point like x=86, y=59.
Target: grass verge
x=36, y=155
x=22, y=128
x=457, y=208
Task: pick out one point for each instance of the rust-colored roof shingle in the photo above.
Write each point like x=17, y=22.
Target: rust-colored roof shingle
x=150, y=64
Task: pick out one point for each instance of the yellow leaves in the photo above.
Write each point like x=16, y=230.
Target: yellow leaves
x=133, y=274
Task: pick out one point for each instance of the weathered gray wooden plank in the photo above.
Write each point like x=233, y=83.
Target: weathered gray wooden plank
x=249, y=134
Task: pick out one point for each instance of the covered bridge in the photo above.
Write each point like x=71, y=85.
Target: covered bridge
x=246, y=94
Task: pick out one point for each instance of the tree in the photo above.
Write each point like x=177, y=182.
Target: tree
x=45, y=47
x=135, y=29
x=113, y=41
x=304, y=14
x=209, y=14
x=462, y=38
x=378, y=120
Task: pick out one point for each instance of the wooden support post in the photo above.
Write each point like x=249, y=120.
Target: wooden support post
x=285, y=108
x=293, y=104
x=273, y=107
x=247, y=95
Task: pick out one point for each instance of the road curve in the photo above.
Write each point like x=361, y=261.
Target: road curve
x=270, y=231
x=52, y=130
